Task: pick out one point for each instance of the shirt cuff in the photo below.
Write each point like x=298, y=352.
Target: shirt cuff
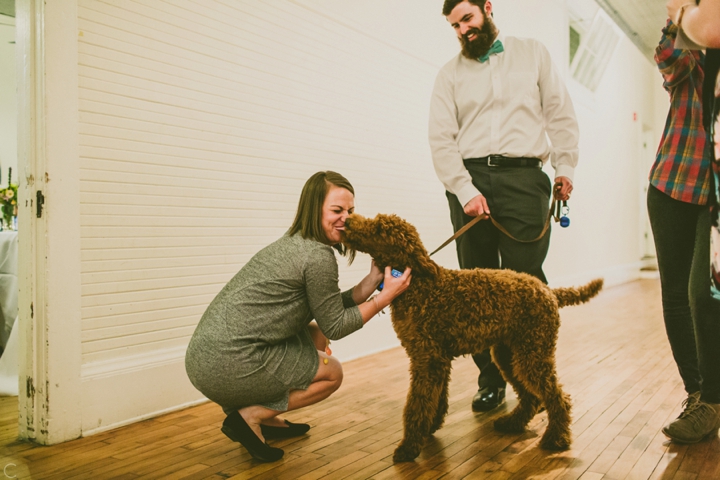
x=683, y=42
x=347, y=298
x=564, y=171
x=467, y=193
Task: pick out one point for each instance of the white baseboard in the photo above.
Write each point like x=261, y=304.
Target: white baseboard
x=114, y=400
x=616, y=275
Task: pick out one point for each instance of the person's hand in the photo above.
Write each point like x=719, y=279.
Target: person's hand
x=563, y=188
x=673, y=8
x=477, y=206
x=394, y=286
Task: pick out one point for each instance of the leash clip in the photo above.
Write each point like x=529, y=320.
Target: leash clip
x=561, y=214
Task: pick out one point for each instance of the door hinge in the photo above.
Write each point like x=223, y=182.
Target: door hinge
x=40, y=201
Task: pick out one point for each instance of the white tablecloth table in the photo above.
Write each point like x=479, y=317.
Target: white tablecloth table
x=8, y=284
x=8, y=312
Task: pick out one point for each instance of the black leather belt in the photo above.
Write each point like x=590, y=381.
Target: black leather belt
x=500, y=161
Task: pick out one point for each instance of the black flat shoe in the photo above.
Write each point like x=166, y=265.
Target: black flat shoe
x=292, y=430
x=488, y=398
x=238, y=430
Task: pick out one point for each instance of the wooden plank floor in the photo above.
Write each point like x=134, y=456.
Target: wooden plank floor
x=613, y=359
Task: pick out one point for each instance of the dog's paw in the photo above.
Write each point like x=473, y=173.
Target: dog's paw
x=405, y=454
x=508, y=424
x=436, y=426
x=555, y=444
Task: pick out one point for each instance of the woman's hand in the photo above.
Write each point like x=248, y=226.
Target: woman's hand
x=393, y=287
x=673, y=8
x=319, y=339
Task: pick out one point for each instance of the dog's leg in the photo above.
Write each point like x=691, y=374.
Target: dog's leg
x=537, y=364
x=442, y=406
x=518, y=419
x=428, y=378
x=557, y=434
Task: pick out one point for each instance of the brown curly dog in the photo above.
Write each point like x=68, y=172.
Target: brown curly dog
x=447, y=313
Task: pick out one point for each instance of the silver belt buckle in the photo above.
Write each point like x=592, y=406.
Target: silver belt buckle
x=490, y=160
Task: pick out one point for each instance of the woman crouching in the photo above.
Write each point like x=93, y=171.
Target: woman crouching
x=257, y=351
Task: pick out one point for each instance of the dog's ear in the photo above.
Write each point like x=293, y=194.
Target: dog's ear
x=424, y=263
x=407, y=248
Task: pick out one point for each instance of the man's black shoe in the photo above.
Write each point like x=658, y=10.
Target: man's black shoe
x=488, y=398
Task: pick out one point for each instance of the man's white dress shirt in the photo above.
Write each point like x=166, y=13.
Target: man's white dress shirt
x=504, y=106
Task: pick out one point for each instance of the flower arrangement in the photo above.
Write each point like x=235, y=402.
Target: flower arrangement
x=8, y=201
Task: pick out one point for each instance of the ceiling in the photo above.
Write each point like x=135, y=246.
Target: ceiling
x=641, y=20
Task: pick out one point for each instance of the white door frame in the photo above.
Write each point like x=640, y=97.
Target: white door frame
x=49, y=245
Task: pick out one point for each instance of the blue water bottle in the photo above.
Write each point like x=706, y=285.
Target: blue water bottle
x=394, y=273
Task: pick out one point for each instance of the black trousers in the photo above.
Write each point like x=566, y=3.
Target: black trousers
x=692, y=317
x=519, y=200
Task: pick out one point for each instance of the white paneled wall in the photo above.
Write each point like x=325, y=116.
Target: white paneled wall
x=199, y=123
x=200, y=120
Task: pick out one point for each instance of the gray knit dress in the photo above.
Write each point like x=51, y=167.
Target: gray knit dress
x=252, y=345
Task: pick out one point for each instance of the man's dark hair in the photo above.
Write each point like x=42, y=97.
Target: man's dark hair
x=450, y=4
x=308, y=219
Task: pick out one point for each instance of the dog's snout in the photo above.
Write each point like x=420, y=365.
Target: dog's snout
x=352, y=221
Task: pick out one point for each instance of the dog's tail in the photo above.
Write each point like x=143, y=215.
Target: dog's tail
x=575, y=296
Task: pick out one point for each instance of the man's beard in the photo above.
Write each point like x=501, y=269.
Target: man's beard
x=484, y=38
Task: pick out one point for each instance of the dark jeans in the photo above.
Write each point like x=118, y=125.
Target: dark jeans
x=692, y=317
x=519, y=200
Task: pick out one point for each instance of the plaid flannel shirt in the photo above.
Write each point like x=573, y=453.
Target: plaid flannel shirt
x=683, y=162
x=716, y=139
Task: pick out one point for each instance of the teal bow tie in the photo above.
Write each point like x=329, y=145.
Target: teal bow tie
x=496, y=48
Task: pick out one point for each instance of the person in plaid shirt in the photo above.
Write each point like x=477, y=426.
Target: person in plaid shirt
x=679, y=198
x=715, y=233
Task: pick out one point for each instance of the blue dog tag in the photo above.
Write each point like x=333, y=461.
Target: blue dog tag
x=564, y=220
x=394, y=273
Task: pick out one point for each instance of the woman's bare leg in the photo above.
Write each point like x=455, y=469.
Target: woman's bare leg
x=327, y=380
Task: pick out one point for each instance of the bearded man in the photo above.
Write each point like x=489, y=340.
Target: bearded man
x=493, y=108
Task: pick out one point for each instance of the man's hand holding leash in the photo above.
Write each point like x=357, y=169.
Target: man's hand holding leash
x=478, y=205
x=563, y=188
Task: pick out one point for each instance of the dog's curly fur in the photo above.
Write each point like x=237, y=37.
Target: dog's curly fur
x=447, y=313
